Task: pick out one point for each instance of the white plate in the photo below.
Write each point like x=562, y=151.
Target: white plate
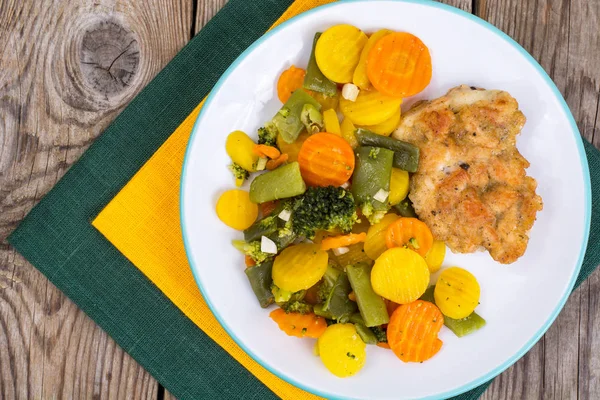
x=519, y=301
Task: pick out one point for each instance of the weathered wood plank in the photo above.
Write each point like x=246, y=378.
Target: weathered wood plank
x=37, y=322
x=205, y=10
x=563, y=36
x=589, y=339
x=66, y=70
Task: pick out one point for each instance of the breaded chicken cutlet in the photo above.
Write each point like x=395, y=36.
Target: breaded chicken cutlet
x=471, y=188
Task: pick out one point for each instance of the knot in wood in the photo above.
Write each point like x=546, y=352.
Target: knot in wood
x=109, y=57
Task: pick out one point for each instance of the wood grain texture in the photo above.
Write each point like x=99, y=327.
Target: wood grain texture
x=563, y=36
x=66, y=70
x=205, y=10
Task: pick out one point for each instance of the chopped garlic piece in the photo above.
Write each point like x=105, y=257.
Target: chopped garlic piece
x=267, y=245
x=350, y=92
x=285, y=215
x=381, y=195
x=340, y=250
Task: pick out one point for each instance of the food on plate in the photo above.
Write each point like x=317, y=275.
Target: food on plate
x=435, y=256
x=409, y=233
x=300, y=325
x=326, y=160
x=344, y=225
x=421, y=342
x=399, y=186
x=360, y=78
x=471, y=188
x=386, y=127
x=370, y=108
x=375, y=243
x=400, y=275
x=299, y=267
x=290, y=80
x=457, y=292
x=342, y=350
x=399, y=65
x=236, y=210
x=338, y=51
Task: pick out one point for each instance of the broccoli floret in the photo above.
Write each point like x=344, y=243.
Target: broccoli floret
x=268, y=135
x=323, y=208
x=373, y=216
x=239, y=173
x=380, y=334
x=281, y=296
x=253, y=251
x=296, y=306
x=287, y=229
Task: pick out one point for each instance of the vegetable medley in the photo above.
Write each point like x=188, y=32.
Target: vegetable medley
x=330, y=235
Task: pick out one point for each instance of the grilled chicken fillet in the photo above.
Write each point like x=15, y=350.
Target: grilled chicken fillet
x=471, y=188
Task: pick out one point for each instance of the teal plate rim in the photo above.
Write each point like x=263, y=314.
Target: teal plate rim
x=584, y=164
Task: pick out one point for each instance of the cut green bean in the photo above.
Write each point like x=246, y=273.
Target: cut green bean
x=365, y=333
x=283, y=241
x=318, y=310
x=406, y=155
x=405, y=209
x=371, y=306
x=428, y=295
x=288, y=120
x=338, y=303
x=312, y=119
x=314, y=79
x=372, y=172
x=460, y=327
x=281, y=183
x=465, y=326
x=261, y=281
x=264, y=227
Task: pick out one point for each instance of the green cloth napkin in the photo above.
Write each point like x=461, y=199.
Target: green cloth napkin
x=59, y=240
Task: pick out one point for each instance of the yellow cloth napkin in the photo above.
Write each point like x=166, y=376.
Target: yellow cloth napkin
x=142, y=221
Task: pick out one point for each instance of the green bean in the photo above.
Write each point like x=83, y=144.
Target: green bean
x=372, y=172
x=264, y=227
x=260, y=281
x=338, y=303
x=428, y=295
x=314, y=79
x=365, y=333
x=370, y=304
x=283, y=241
x=318, y=310
x=460, y=327
x=406, y=155
x=281, y=183
x=312, y=119
x=288, y=120
x=465, y=326
x=405, y=209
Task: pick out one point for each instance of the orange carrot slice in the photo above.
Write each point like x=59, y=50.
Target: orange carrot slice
x=267, y=151
x=413, y=331
x=249, y=261
x=299, y=325
x=290, y=80
x=411, y=233
x=335, y=242
x=272, y=164
x=267, y=208
x=399, y=65
x=326, y=159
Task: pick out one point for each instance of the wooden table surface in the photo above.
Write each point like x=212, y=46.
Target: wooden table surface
x=68, y=67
